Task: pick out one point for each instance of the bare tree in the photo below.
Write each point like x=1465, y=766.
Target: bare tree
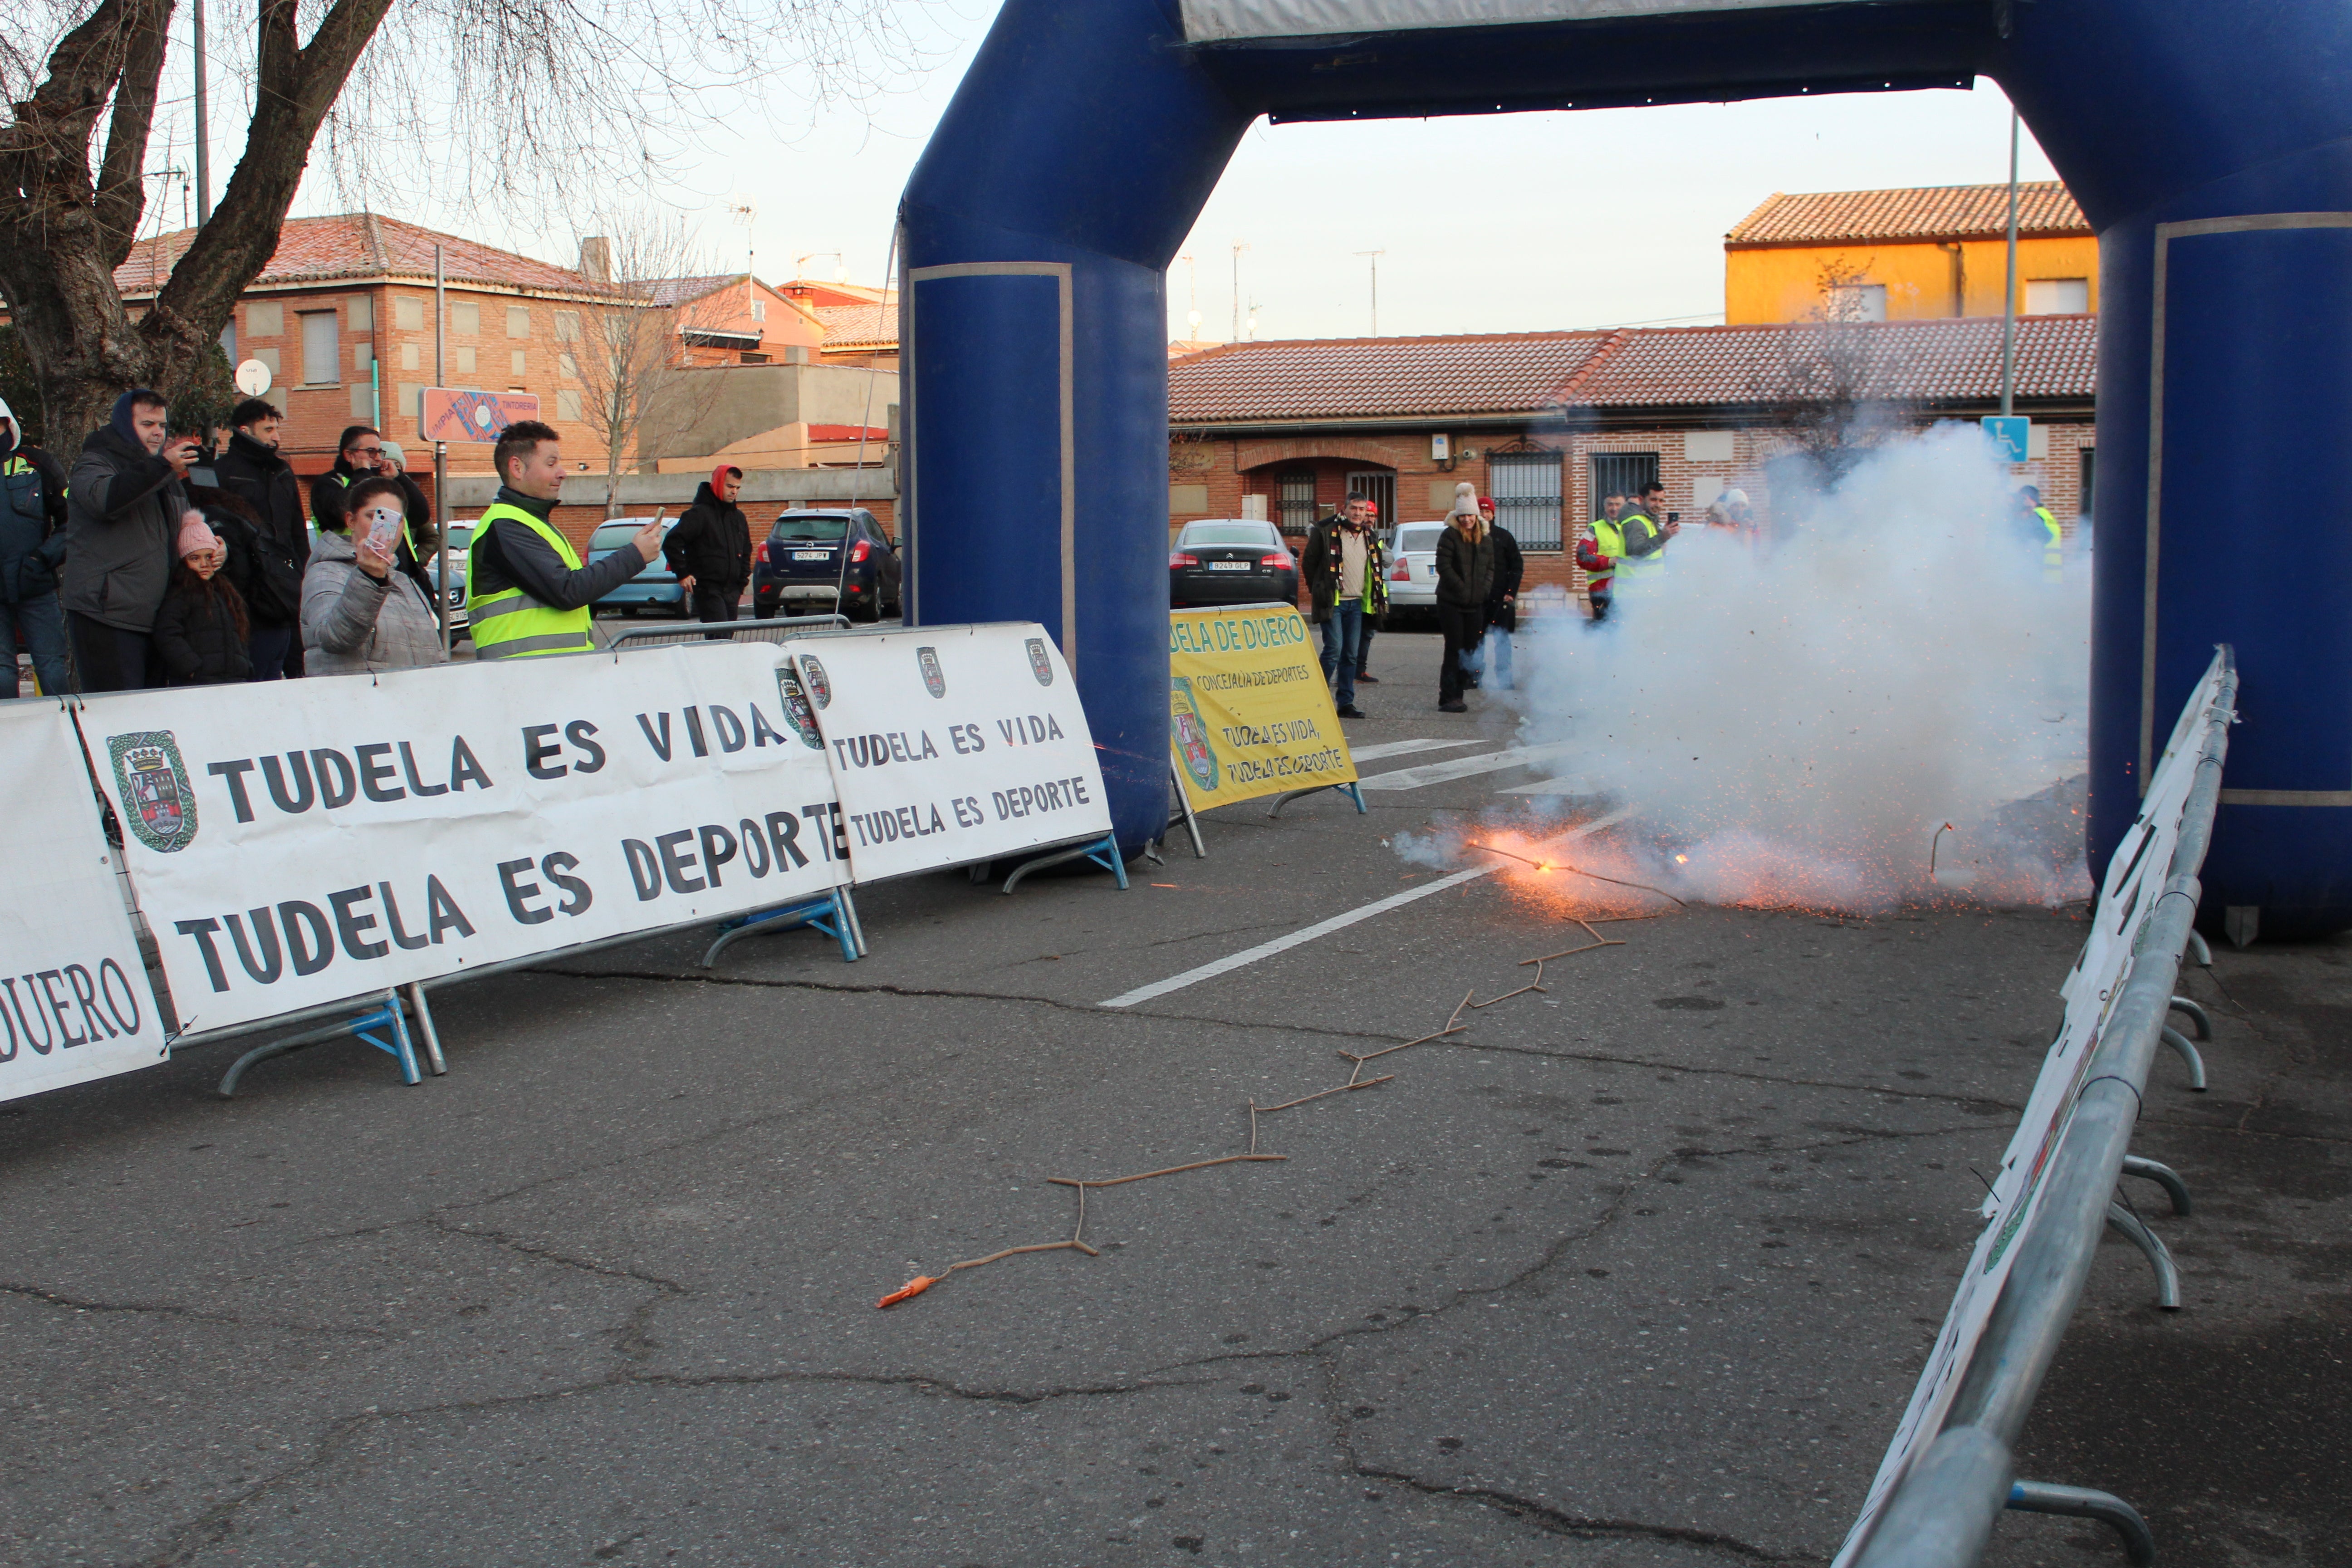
x=472, y=99
x=1828, y=394
x=627, y=352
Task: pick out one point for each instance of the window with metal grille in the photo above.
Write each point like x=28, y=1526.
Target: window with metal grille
x=1377, y=485
x=1527, y=496
x=1621, y=474
x=1297, y=493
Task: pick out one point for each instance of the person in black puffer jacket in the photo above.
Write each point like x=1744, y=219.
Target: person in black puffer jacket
x=201, y=629
x=710, y=549
x=251, y=470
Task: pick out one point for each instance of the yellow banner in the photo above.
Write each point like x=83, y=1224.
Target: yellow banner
x=1248, y=710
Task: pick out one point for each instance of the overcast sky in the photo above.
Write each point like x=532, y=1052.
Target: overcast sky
x=1494, y=224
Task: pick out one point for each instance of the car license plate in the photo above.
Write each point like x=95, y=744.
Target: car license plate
x=1229, y=565
x=812, y=554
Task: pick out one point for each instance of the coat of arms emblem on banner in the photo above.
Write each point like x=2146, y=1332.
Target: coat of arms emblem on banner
x=152, y=783
x=1039, y=665
x=797, y=712
x=1192, y=735
x=820, y=690
x=933, y=681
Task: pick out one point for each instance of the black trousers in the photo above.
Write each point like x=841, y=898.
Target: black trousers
x=1463, y=630
x=716, y=604
x=108, y=659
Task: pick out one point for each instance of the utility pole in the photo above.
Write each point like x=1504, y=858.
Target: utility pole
x=1191, y=298
x=1239, y=245
x=204, y=152
x=2009, y=302
x=1375, y=256
x=440, y=460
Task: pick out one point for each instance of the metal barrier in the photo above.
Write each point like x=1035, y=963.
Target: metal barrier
x=682, y=632
x=1942, y=1513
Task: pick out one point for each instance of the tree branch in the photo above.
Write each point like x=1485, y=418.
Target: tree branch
x=294, y=89
x=122, y=192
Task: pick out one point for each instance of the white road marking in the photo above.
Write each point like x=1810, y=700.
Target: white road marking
x=1566, y=785
x=1464, y=767
x=1250, y=955
x=1399, y=748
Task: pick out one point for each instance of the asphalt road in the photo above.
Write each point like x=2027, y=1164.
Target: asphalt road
x=1636, y=1271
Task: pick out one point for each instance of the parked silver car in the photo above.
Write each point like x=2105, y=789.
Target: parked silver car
x=1412, y=566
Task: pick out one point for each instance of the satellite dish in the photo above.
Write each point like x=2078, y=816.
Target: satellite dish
x=253, y=378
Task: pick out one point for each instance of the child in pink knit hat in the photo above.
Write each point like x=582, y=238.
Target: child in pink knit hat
x=201, y=630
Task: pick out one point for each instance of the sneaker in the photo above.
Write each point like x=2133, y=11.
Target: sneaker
x=1364, y=679
x=1457, y=706
x=1350, y=711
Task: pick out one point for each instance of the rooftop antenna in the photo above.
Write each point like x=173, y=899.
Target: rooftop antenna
x=1375, y=256
x=746, y=211
x=1239, y=245
x=1191, y=298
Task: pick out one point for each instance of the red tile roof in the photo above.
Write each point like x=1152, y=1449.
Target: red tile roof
x=1931, y=362
x=1375, y=377
x=858, y=326
x=352, y=246
x=1937, y=212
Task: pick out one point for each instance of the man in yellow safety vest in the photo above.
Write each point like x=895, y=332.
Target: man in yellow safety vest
x=1645, y=527
x=526, y=591
x=2042, y=527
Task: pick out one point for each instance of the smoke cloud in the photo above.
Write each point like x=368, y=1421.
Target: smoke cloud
x=1796, y=722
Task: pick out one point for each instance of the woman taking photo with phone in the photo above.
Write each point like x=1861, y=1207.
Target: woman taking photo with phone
x=361, y=613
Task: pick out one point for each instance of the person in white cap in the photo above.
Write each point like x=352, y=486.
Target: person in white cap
x=32, y=547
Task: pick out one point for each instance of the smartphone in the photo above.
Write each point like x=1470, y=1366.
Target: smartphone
x=1673, y=516
x=383, y=527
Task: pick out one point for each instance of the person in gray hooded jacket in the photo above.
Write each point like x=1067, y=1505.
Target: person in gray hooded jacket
x=360, y=611
x=122, y=521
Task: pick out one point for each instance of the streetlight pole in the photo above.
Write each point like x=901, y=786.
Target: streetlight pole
x=204, y=153
x=440, y=460
x=1239, y=245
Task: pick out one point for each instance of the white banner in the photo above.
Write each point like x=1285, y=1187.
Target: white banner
x=952, y=744
x=1218, y=21
x=75, y=1003
x=307, y=841
x=2135, y=882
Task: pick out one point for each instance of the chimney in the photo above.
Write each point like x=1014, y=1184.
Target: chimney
x=596, y=259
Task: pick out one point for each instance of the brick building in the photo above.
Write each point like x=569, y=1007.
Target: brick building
x=1548, y=422
x=736, y=318
x=343, y=315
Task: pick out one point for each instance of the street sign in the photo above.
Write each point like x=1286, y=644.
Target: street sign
x=451, y=414
x=253, y=378
x=2011, y=435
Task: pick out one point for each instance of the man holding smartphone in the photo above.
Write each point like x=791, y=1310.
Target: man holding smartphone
x=527, y=592
x=1644, y=564
x=123, y=511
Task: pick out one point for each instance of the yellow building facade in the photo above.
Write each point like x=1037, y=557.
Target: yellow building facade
x=1905, y=254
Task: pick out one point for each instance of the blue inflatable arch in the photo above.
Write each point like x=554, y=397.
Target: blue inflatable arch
x=2207, y=143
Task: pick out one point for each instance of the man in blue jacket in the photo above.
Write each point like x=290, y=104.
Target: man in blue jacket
x=32, y=545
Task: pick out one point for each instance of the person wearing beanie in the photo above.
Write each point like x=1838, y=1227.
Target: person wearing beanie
x=32, y=548
x=201, y=628
x=1465, y=575
x=710, y=551
x=123, y=512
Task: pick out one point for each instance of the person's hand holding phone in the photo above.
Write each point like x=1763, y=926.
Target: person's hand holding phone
x=376, y=538
x=180, y=451
x=649, y=541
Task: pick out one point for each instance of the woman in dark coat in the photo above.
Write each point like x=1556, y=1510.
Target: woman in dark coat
x=1466, y=575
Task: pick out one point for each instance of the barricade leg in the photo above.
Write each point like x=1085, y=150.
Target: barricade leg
x=2196, y=1016
x=832, y=913
x=2187, y=1053
x=398, y=1047
x=2164, y=1176
x=1349, y=790
x=1103, y=852
x=424, y=1011
x=2159, y=1256
x=2199, y=951
x=2081, y=1503
x=1184, y=815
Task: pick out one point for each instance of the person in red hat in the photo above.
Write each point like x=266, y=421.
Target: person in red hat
x=710, y=549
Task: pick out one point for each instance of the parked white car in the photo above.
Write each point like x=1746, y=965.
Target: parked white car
x=1412, y=566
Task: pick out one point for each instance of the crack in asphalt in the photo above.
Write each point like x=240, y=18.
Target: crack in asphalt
x=1968, y=1100
x=193, y=1314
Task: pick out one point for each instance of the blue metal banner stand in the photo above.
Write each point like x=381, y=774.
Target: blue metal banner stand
x=363, y=1028
x=834, y=913
x=1103, y=852
x=1350, y=790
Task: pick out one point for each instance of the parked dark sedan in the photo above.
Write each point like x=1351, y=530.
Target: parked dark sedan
x=800, y=567
x=1231, y=561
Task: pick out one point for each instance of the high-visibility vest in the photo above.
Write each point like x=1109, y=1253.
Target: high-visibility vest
x=510, y=623
x=1609, y=541
x=1639, y=573
x=2053, y=548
